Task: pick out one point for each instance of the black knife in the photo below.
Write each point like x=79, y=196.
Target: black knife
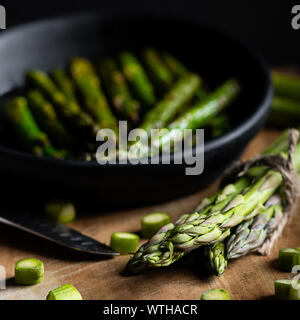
x=57, y=233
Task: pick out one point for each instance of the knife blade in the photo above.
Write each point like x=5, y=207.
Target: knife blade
x=60, y=234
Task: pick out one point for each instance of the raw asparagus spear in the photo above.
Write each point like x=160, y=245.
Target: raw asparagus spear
x=64, y=83
x=116, y=86
x=284, y=111
x=68, y=110
x=249, y=235
x=88, y=84
x=206, y=227
x=137, y=78
x=47, y=118
x=286, y=85
x=158, y=71
x=216, y=258
x=167, y=108
x=212, y=223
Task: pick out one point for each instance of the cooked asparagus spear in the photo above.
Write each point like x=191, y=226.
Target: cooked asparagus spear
x=178, y=70
x=68, y=110
x=137, y=78
x=64, y=83
x=116, y=87
x=48, y=120
x=24, y=125
x=158, y=71
x=236, y=203
x=174, y=65
x=167, y=108
x=285, y=111
x=196, y=117
x=88, y=84
x=219, y=125
x=286, y=85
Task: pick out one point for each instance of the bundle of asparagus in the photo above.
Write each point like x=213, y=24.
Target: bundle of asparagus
x=63, y=111
x=237, y=204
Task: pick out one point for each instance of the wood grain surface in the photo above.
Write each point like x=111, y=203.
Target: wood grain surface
x=250, y=277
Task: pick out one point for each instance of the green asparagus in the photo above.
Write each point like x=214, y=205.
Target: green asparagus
x=174, y=65
x=286, y=85
x=212, y=223
x=167, y=108
x=284, y=111
x=249, y=235
x=158, y=71
x=198, y=116
x=29, y=271
x=25, y=127
x=64, y=83
x=216, y=258
x=47, y=118
x=215, y=294
x=219, y=125
x=68, y=110
x=88, y=84
x=116, y=86
x=137, y=78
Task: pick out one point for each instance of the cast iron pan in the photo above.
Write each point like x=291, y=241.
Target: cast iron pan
x=50, y=43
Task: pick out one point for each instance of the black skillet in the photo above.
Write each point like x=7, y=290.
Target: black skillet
x=49, y=43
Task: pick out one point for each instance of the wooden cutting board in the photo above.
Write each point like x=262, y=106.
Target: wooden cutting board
x=250, y=277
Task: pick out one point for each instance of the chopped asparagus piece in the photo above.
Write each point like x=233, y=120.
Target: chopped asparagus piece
x=152, y=222
x=60, y=211
x=215, y=294
x=124, y=242
x=66, y=292
x=287, y=289
x=29, y=271
x=288, y=258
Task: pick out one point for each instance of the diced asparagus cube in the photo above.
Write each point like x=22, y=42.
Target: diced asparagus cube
x=288, y=258
x=66, y=292
x=152, y=222
x=29, y=271
x=60, y=211
x=124, y=242
x=215, y=294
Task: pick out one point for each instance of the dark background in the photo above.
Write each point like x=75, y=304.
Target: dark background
x=265, y=25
